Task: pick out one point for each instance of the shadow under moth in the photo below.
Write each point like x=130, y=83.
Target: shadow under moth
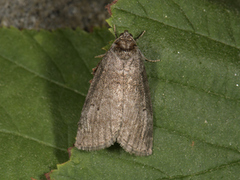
x=118, y=106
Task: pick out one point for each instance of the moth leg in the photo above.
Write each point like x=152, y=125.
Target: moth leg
x=152, y=60
x=143, y=57
x=100, y=56
x=95, y=68
x=114, y=29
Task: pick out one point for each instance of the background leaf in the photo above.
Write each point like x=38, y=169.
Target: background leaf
x=195, y=92
x=43, y=83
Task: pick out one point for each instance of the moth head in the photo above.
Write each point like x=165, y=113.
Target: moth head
x=126, y=34
x=125, y=41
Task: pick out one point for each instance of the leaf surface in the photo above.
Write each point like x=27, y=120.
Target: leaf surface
x=195, y=92
x=195, y=89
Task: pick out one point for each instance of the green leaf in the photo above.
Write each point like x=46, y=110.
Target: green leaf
x=44, y=78
x=195, y=91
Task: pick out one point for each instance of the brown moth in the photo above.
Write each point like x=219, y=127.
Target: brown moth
x=118, y=106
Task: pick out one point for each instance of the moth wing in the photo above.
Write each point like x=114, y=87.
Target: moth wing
x=136, y=132
x=100, y=118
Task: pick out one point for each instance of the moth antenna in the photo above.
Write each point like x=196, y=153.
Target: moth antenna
x=114, y=29
x=140, y=35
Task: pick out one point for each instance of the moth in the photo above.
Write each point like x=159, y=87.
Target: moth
x=118, y=106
